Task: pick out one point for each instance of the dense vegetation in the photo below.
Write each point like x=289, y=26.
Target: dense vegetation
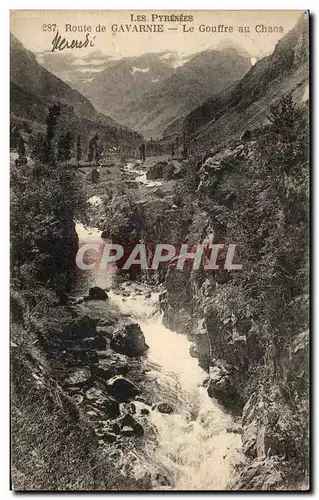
x=45, y=200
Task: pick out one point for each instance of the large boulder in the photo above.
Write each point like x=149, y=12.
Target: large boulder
x=218, y=379
x=96, y=293
x=130, y=427
x=160, y=170
x=121, y=388
x=129, y=340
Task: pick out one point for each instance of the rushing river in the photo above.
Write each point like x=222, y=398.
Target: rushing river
x=195, y=448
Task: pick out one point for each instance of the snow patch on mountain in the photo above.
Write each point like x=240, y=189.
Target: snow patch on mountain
x=139, y=70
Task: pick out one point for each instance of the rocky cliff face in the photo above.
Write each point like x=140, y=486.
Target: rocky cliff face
x=245, y=327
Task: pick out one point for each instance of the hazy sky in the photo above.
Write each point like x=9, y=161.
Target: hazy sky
x=27, y=26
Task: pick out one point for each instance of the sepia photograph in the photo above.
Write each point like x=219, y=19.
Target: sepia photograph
x=159, y=250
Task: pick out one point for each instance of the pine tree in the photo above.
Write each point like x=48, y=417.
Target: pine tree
x=14, y=138
x=65, y=147
x=52, y=120
x=21, y=150
x=97, y=154
x=37, y=145
x=91, y=150
x=78, y=150
x=94, y=149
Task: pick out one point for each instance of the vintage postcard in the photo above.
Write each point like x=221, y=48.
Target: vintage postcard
x=159, y=165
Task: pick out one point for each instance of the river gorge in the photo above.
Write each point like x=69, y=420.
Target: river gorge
x=194, y=447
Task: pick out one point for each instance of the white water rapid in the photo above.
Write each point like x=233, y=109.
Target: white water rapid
x=195, y=448
x=141, y=175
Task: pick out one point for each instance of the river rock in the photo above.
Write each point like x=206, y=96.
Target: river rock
x=163, y=408
x=129, y=340
x=103, y=401
x=122, y=388
x=130, y=408
x=144, y=411
x=130, y=427
x=131, y=184
x=107, y=430
x=97, y=293
x=100, y=413
x=78, y=377
x=234, y=429
x=105, y=323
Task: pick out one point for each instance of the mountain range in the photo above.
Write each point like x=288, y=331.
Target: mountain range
x=214, y=94
x=147, y=93
x=125, y=80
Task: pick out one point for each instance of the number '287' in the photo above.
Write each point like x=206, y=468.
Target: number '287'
x=48, y=27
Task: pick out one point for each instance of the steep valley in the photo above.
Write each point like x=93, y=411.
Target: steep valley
x=173, y=378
